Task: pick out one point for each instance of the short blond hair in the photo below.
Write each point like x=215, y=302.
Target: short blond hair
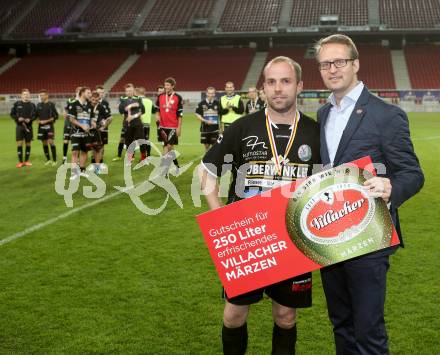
x=282, y=59
x=339, y=39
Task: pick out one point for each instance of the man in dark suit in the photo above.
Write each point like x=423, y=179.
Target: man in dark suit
x=353, y=124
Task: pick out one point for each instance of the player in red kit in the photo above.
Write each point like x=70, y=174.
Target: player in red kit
x=169, y=113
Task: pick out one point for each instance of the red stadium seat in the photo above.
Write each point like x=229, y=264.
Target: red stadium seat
x=61, y=72
x=193, y=69
x=423, y=65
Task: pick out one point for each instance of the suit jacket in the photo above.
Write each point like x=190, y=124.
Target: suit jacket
x=380, y=130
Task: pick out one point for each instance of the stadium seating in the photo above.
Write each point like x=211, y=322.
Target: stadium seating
x=45, y=15
x=61, y=72
x=103, y=16
x=193, y=69
x=373, y=75
x=250, y=15
x=9, y=10
x=351, y=12
x=410, y=13
x=423, y=65
x=174, y=15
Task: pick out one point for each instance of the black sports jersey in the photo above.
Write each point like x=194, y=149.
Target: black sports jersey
x=210, y=112
x=45, y=111
x=68, y=102
x=134, y=111
x=24, y=110
x=106, y=106
x=254, y=106
x=101, y=112
x=245, y=145
x=83, y=113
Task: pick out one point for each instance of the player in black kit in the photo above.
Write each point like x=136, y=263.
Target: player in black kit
x=254, y=103
x=266, y=149
x=23, y=113
x=132, y=108
x=67, y=125
x=47, y=114
x=208, y=113
x=80, y=113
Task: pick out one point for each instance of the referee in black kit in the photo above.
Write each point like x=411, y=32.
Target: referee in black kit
x=282, y=145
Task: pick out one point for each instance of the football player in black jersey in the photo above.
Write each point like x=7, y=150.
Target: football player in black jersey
x=254, y=103
x=80, y=113
x=105, y=120
x=208, y=114
x=268, y=148
x=47, y=114
x=68, y=125
x=23, y=113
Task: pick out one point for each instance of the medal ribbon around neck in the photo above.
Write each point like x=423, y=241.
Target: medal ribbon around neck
x=168, y=100
x=272, y=142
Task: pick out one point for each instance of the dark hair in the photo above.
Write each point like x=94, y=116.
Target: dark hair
x=171, y=81
x=129, y=85
x=82, y=90
x=95, y=94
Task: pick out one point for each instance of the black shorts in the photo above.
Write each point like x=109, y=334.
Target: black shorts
x=96, y=139
x=168, y=136
x=133, y=132
x=23, y=133
x=208, y=134
x=104, y=137
x=123, y=129
x=67, y=129
x=46, y=133
x=84, y=144
x=294, y=293
x=146, y=132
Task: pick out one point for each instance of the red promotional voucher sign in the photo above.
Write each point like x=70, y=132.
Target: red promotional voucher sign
x=297, y=228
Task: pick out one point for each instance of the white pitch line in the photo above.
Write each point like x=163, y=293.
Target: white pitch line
x=426, y=138
x=67, y=214
x=55, y=219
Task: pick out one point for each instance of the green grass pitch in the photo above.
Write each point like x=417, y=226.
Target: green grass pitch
x=109, y=279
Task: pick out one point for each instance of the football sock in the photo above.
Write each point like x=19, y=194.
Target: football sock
x=234, y=340
x=176, y=163
x=120, y=148
x=27, y=152
x=20, y=153
x=93, y=161
x=53, y=150
x=46, y=151
x=283, y=340
x=148, y=149
x=65, y=147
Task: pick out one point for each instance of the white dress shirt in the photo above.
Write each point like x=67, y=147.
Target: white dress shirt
x=338, y=118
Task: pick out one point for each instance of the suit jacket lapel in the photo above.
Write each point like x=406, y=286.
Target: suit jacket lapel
x=353, y=124
x=322, y=121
